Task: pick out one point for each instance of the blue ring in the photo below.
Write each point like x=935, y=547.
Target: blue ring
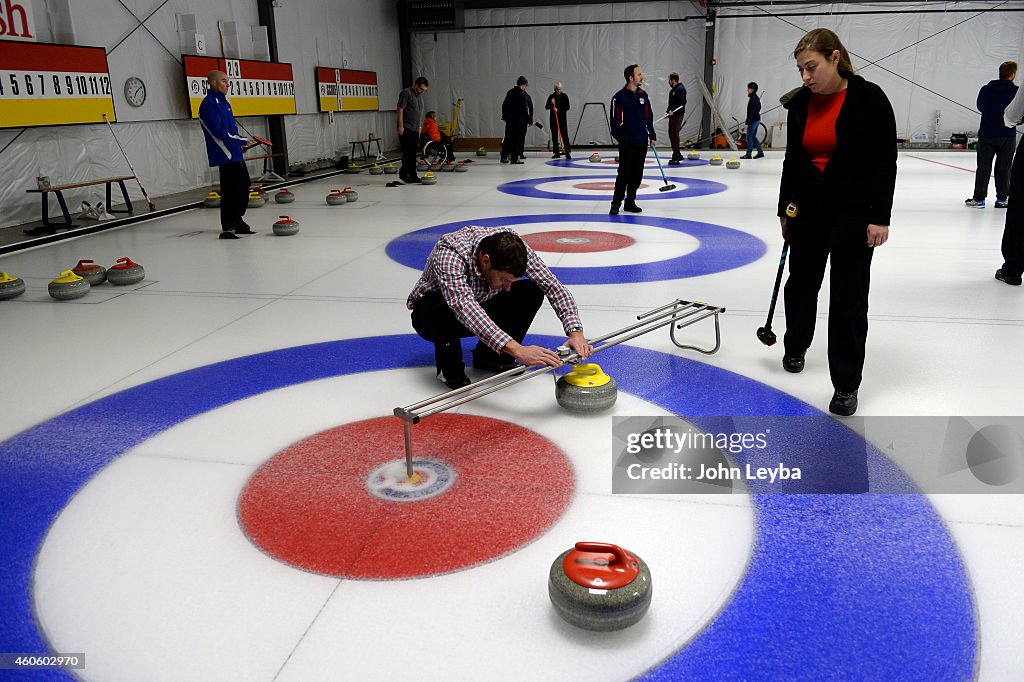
x=721, y=248
x=583, y=163
x=838, y=582
x=693, y=187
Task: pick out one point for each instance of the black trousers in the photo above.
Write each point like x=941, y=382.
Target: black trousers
x=511, y=310
x=559, y=134
x=631, y=171
x=811, y=244
x=675, y=124
x=1002, y=149
x=234, y=194
x=1013, y=231
x=409, y=142
x=514, y=144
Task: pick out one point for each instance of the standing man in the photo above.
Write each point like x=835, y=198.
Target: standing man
x=558, y=104
x=632, y=124
x=224, y=148
x=753, y=121
x=1013, y=232
x=994, y=138
x=473, y=285
x=676, y=101
x=410, y=117
x=517, y=112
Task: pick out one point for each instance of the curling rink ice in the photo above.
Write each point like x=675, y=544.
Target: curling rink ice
x=186, y=463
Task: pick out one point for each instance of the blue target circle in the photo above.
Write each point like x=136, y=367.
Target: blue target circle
x=603, y=165
x=685, y=187
x=869, y=584
x=721, y=248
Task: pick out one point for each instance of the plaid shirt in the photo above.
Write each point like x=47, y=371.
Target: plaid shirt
x=452, y=267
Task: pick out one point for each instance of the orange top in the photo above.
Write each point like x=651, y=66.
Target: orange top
x=820, y=133
x=430, y=129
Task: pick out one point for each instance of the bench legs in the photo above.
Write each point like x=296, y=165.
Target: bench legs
x=124, y=193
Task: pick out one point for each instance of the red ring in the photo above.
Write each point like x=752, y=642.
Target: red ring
x=577, y=241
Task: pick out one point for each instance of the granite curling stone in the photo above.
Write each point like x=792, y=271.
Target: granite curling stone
x=693, y=155
x=586, y=389
x=256, y=200
x=595, y=158
x=96, y=274
x=350, y=194
x=482, y=151
x=284, y=197
x=286, y=226
x=212, y=200
x=354, y=169
x=715, y=160
x=448, y=167
x=68, y=286
x=336, y=198
x=428, y=178
x=375, y=169
x=10, y=286
x=600, y=586
x=732, y=163
x=125, y=272
x=390, y=169
x=259, y=189
x=461, y=167
x=434, y=167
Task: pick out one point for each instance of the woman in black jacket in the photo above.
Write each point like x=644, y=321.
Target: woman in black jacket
x=835, y=201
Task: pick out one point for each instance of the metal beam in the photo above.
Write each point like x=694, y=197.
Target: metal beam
x=275, y=124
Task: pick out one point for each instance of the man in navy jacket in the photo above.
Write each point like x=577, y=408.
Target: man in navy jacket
x=632, y=124
x=994, y=138
x=676, y=109
x=224, y=147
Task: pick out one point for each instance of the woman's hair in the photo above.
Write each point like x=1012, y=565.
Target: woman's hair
x=825, y=42
x=430, y=114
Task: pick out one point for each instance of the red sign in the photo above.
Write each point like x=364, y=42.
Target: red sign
x=255, y=89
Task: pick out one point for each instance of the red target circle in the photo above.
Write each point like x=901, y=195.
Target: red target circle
x=577, y=241
x=602, y=186
x=309, y=505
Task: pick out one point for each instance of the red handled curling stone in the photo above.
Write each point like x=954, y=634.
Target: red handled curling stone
x=350, y=194
x=461, y=167
x=595, y=158
x=10, y=286
x=95, y=274
x=600, y=586
x=68, y=286
x=125, y=272
x=448, y=167
x=336, y=198
x=284, y=197
x=286, y=226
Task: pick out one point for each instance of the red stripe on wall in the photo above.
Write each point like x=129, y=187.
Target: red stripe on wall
x=200, y=67
x=19, y=56
x=326, y=75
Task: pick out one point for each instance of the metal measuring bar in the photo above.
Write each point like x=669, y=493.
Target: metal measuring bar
x=675, y=315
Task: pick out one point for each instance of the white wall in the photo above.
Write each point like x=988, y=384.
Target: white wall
x=165, y=147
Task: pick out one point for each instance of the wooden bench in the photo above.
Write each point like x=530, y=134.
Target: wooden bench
x=49, y=228
x=364, y=146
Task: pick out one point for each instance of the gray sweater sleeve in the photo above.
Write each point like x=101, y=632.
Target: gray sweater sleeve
x=1013, y=115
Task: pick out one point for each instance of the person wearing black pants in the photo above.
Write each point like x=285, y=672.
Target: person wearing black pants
x=234, y=197
x=995, y=139
x=835, y=202
x=558, y=104
x=632, y=124
x=224, y=148
x=1013, y=231
x=410, y=111
x=676, y=110
x=517, y=112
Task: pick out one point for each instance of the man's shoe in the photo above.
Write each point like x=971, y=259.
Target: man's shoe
x=674, y=162
x=1008, y=279
x=504, y=160
x=568, y=156
x=975, y=203
x=614, y=210
x=556, y=156
x=632, y=208
x=843, y=403
x=413, y=180
x=242, y=228
x=454, y=378
x=225, y=234
x=1001, y=203
x=518, y=162
x=759, y=156
x=746, y=156
x=794, y=364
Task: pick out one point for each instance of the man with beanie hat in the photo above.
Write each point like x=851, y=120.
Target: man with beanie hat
x=517, y=112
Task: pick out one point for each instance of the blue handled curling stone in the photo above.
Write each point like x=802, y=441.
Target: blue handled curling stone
x=600, y=586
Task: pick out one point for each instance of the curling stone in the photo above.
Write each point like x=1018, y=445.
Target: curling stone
x=715, y=160
x=284, y=197
x=600, y=586
x=286, y=226
x=336, y=198
x=428, y=178
x=482, y=151
x=434, y=167
x=354, y=169
x=350, y=194
x=95, y=274
x=390, y=169
x=255, y=200
x=125, y=272
x=212, y=200
x=259, y=189
x=693, y=155
x=586, y=389
x=595, y=158
x=732, y=163
x=422, y=164
x=68, y=286
x=375, y=169
x=448, y=167
x=461, y=167
x=10, y=286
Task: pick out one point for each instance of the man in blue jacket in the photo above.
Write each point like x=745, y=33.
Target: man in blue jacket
x=632, y=125
x=994, y=138
x=224, y=147
x=753, y=121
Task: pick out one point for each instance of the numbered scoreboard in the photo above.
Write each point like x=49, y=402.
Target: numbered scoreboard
x=346, y=89
x=255, y=88
x=45, y=85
